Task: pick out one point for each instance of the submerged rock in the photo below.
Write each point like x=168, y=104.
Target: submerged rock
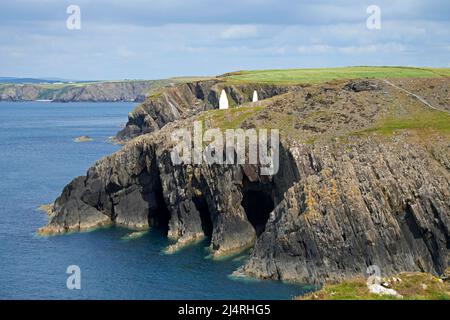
x=134, y=235
x=83, y=139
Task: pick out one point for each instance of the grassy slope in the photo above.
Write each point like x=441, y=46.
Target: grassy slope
x=409, y=114
x=424, y=122
x=229, y=119
x=404, y=116
x=413, y=286
x=293, y=76
x=421, y=120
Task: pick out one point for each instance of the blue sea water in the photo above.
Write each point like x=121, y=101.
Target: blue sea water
x=38, y=157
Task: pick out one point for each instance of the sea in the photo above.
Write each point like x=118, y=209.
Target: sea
x=38, y=157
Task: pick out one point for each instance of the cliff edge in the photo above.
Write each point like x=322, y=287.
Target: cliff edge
x=364, y=179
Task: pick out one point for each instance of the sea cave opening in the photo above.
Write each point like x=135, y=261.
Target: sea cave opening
x=161, y=216
x=205, y=215
x=257, y=201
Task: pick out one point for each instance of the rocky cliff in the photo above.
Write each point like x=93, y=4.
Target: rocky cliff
x=364, y=179
x=93, y=92
x=188, y=99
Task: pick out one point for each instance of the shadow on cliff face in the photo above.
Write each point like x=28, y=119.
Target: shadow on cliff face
x=422, y=240
x=258, y=207
x=261, y=195
x=160, y=216
x=205, y=215
x=257, y=202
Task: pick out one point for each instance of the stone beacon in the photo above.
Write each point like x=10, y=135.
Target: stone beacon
x=223, y=101
x=255, y=96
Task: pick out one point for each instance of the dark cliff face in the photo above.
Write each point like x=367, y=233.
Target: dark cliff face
x=381, y=204
x=139, y=187
x=185, y=100
x=345, y=196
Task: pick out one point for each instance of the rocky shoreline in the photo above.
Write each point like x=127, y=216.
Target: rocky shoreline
x=347, y=194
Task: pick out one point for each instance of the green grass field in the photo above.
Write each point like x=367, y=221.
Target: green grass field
x=419, y=120
x=295, y=76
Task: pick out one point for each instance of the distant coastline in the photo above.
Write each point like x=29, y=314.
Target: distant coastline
x=105, y=91
x=93, y=91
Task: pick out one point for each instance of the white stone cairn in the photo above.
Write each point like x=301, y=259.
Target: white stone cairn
x=223, y=101
x=255, y=96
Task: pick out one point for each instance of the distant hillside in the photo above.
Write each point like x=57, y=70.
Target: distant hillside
x=31, y=80
x=101, y=91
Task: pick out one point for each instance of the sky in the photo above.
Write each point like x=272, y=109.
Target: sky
x=154, y=39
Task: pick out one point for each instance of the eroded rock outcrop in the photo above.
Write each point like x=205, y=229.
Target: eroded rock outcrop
x=375, y=204
x=343, y=199
x=185, y=100
x=139, y=187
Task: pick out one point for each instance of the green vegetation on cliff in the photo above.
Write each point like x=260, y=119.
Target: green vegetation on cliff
x=419, y=119
x=412, y=286
x=328, y=74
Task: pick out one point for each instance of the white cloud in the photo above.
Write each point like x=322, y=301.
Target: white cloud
x=240, y=32
x=124, y=52
x=349, y=50
x=314, y=49
x=358, y=49
x=374, y=48
x=176, y=38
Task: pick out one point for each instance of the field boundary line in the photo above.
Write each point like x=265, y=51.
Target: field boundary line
x=421, y=99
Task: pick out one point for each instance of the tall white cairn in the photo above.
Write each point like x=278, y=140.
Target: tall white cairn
x=255, y=96
x=223, y=101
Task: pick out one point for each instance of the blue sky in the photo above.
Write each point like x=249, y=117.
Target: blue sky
x=136, y=39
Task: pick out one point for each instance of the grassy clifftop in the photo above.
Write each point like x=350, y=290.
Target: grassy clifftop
x=329, y=111
x=410, y=285
x=293, y=76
